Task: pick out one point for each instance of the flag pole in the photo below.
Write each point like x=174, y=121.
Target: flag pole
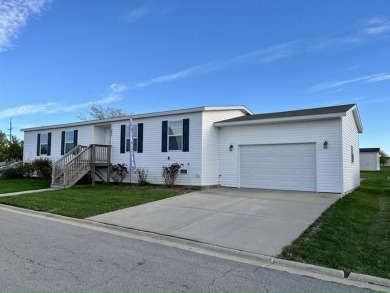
x=132, y=158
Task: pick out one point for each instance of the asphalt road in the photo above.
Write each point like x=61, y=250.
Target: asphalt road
x=44, y=255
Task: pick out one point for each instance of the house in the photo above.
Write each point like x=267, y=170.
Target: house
x=305, y=150
x=369, y=159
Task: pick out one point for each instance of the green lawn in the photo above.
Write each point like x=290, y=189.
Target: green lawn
x=353, y=234
x=14, y=185
x=83, y=202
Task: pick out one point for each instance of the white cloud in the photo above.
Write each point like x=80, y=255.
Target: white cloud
x=363, y=31
x=380, y=77
x=114, y=95
x=270, y=54
x=376, y=26
x=138, y=13
x=118, y=87
x=14, y=15
x=339, y=85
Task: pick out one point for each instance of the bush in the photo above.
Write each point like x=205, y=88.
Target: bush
x=170, y=173
x=142, y=174
x=13, y=173
x=43, y=167
x=28, y=169
x=118, y=172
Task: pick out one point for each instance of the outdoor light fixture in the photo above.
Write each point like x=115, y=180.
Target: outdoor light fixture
x=325, y=144
x=231, y=148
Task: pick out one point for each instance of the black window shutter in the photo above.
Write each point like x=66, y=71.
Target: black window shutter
x=140, y=137
x=186, y=135
x=123, y=139
x=75, y=134
x=63, y=143
x=38, y=144
x=49, y=144
x=164, y=137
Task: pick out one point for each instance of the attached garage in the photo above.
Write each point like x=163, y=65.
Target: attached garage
x=279, y=166
x=302, y=150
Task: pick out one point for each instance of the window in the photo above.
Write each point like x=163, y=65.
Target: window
x=135, y=138
x=69, y=141
x=352, y=155
x=44, y=144
x=175, y=135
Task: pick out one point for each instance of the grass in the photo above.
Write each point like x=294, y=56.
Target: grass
x=83, y=202
x=353, y=234
x=15, y=185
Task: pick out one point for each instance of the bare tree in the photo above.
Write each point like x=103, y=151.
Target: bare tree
x=98, y=112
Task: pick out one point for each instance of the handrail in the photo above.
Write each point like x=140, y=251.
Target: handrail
x=77, y=161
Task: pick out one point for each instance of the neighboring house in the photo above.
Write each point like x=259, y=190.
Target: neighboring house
x=369, y=159
x=388, y=162
x=305, y=150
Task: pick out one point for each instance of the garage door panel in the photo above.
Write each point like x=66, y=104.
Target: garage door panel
x=287, y=166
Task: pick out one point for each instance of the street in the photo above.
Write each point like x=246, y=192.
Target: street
x=44, y=255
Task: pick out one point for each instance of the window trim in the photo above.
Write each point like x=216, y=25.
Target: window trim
x=42, y=144
x=65, y=141
x=173, y=135
x=135, y=138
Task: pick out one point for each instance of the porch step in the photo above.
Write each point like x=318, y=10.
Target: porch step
x=57, y=186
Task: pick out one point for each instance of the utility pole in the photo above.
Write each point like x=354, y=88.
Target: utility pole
x=10, y=129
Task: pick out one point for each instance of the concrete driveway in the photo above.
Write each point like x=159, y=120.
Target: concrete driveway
x=253, y=220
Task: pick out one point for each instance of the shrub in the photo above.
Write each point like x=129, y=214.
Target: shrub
x=13, y=173
x=170, y=173
x=142, y=174
x=43, y=167
x=28, y=169
x=118, y=172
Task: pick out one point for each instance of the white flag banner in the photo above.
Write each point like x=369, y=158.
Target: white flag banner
x=132, y=158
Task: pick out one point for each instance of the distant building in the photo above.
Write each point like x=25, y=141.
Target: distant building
x=369, y=159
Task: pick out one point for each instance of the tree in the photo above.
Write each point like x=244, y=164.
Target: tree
x=384, y=158
x=98, y=112
x=15, y=149
x=3, y=146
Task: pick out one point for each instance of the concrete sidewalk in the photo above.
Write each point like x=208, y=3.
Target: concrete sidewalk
x=26, y=192
x=252, y=220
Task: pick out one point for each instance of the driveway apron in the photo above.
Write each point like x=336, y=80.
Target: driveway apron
x=252, y=220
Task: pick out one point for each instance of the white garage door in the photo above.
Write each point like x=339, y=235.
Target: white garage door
x=280, y=166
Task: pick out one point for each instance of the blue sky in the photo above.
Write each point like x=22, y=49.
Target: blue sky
x=58, y=56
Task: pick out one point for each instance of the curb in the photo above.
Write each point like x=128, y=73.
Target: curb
x=311, y=268
x=354, y=279
x=369, y=279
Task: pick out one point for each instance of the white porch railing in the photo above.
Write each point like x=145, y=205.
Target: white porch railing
x=71, y=167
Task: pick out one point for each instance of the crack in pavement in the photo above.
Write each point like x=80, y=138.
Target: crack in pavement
x=213, y=282
x=34, y=263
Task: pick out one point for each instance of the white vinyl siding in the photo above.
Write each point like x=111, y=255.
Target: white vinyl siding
x=350, y=137
x=85, y=137
x=280, y=166
x=328, y=161
x=369, y=161
x=153, y=159
x=210, y=144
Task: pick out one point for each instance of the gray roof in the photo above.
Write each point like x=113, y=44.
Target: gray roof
x=296, y=113
x=369, y=150
x=141, y=116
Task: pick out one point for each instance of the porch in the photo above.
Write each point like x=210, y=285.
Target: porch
x=75, y=164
